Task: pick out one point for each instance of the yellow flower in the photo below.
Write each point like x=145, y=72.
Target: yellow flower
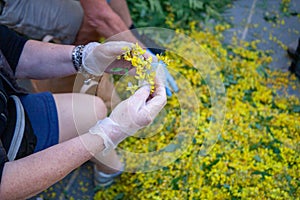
x=144, y=71
x=257, y=151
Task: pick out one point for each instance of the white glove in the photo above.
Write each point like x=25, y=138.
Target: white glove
x=97, y=57
x=136, y=112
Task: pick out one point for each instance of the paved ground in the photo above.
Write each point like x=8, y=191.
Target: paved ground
x=252, y=19
x=264, y=20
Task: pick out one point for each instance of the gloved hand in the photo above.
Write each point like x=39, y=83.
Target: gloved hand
x=169, y=80
x=136, y=112
x=98, y=58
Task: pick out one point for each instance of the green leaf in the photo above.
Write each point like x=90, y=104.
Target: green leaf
x=175, y=183
x=262, y=173
x=171, y=147
x=117, y=69
x=255, y=146
x=257, y=158
x=159, y=181
x=199, y=5
x=258, y=126
x=119, y=196
x=155, y=6
x=194, y=140
x=261, y=70
x=288, y=178
x=226, y=186
x=152, y=146
x=296, y=108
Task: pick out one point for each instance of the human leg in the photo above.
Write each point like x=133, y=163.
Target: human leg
x=44, y=124
x=36, y=19
x=76, y=114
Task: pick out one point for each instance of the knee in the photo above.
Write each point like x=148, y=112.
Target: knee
x=100, y=108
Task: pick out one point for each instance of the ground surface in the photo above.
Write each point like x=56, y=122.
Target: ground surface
x=263, y=20
x=252, y=20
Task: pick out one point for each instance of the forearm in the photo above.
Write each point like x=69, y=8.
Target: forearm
x=110, y=23
x=41, y=60
x=113, y=28
x=35, y=173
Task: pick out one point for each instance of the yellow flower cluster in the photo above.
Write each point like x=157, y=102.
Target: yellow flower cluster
x=285, y=4
x=144, y=70
x=257, y=154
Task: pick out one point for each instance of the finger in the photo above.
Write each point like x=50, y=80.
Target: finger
x=159, y=99
x=116, y=48
x=156, y=104
x=138, y=99
x=160, y=74
x=159, y=88
x=162, y=79
x=132, y=71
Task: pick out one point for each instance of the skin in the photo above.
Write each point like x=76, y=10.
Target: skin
x=104, y=20
x=76, y=144
x=101, y=20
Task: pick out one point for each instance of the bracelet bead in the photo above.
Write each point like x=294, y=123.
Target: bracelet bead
x=77, y=57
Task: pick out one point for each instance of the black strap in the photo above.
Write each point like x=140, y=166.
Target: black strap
x=19, y=129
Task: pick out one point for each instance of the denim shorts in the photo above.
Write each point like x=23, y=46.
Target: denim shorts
x=42, y=113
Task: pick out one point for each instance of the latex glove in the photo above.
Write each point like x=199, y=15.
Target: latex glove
x=131, y=115
x=169, y=80
x=98, y=58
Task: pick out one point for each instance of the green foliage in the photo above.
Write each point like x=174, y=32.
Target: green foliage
x=147, y=13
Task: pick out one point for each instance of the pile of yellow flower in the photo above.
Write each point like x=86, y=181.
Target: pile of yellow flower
x=256, y=154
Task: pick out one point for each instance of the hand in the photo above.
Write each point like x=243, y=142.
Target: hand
x=169, y=80
x=136, y=112
x=98, y=58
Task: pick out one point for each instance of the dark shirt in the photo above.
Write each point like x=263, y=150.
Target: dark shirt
x=11, y=45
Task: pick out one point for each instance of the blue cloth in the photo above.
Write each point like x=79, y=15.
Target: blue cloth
x=42, y=113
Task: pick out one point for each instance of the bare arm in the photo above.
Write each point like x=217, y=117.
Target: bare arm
x=41, y=60
x=30, y=175
x=100, y=15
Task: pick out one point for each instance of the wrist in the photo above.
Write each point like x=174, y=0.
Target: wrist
x=89, y=66
x=77, y=57
x=110, y=132
x=92, y=143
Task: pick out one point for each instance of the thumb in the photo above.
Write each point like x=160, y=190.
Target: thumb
x=140, y=97
x=116, y=48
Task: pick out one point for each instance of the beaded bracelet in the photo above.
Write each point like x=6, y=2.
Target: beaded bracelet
x=77, y=57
